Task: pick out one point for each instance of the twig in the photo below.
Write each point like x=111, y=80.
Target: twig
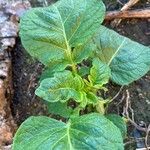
x=147, y=135
x=117, y=94
x=141, y=138
x=129, y=142
x=45, y=3
x=139, y=13
x=128, y=5
x=132, y=111
x=126, y=113
x=136, y=125
x=120, y=2
x=123, y=96
x=121, y=101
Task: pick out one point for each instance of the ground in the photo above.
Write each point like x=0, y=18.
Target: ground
x=26, y=73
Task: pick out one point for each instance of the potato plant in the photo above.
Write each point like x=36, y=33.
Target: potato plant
x=80, y=57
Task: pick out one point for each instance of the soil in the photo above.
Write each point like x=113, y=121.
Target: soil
x=26, y=73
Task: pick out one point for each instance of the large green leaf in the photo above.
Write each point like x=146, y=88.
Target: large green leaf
x=59, y=108
x=62, y=87
x=127, y=59
x=119, y=122
x=51, y=33
x=88, y=132
x=99, y=73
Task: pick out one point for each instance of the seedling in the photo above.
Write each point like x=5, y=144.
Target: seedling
x=80, y=57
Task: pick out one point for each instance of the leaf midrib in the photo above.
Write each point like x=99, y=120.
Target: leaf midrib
x=65, y=88
x=68, y=51
x=68, y=133
x=116, y=52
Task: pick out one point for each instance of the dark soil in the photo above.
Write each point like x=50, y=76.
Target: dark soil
x=26, y=73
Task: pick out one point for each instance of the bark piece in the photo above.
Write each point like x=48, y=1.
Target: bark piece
x=127, y=6
x=10, y=12
x=140, y=13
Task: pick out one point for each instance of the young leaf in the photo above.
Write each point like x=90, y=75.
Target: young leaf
x=99, y=73
x=62, y=87
x=119, y=122
x=92, y=98
x=50, y=33
x=88, y=132
x=47, y=73
x=59, y=108
x=84, y=70
x=82, y=52
x=127, y=59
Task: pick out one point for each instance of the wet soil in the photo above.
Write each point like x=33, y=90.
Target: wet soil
x=26, y=73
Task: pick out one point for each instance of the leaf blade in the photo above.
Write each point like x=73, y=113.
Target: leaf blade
x=99, y=73
x=59, y=108
x=54, y=30
x=62, y=87
x=85, y=132
x=127, y=59
x=119, y=122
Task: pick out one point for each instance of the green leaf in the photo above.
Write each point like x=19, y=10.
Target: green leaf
x=119, y=122
x=59, y=108
x=83, y=52
x=47, y=73
x=92, y=98
x=49, y=34
x=62, y=87
x=99, y=73
x=127, y=59
x=84, y=70
x=88, y=132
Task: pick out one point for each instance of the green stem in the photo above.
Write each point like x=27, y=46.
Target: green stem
x=73, y=65
x=100, y=108
x=76, y=111
x=74, y=68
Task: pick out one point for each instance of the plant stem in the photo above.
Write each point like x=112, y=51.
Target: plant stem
x=100, y=108
x=74, y=68
x=73, y=65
